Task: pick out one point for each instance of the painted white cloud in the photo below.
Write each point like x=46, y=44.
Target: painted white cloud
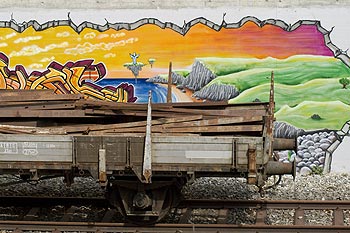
x=63, y=34
x=3, y=44
x=101, y=36
x=36, y=66
x=34, y=49
x=8, y=36
x=117, y=35
x=89, y=36
x=88, y=47
x=109, y=55
x=114, y=35
x=47, y=59
x=27, y=39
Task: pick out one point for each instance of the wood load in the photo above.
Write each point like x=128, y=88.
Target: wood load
x=44, y=112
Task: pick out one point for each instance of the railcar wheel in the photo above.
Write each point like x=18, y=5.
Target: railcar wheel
x=143, y=204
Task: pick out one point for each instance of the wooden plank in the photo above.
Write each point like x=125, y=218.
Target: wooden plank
x=155, y=113
x=97, y=112
x=45, y=113
x=128, y=112
x=219, y=105
x=37, y=96
x=217, y=129
x=81, y=128
x=22, y=122
x=195, y=129
x=30, y=130
x=142, y=106
x=12, y=131
x=88, y=103
x=248, y=106
x=216, y=112
x=38, y=105
x=207, y=104
x=217, y=121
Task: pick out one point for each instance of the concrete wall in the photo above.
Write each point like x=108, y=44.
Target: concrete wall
x=169, y=4
x=333, y=16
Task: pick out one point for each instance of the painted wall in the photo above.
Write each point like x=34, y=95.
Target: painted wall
x=115, y=51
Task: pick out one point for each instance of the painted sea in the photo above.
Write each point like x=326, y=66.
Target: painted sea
x=141, y=87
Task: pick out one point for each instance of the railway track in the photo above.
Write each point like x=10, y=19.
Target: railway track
x=72, y=214
x=160, y=228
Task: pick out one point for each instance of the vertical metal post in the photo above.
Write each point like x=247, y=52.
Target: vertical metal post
x=251, y=164
x=271, y=112
x=102, y=174
x=147, y=157
x=168, y=98
x=269, y=120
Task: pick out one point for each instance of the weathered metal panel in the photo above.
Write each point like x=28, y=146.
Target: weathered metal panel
x=36, y=148
x=242, y=153
x=121, y=151
x=116, y=151
x=185, y=150
x=87, y=148
x=136, y=149
x=242, y=150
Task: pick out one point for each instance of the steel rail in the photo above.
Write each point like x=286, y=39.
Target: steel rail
x=269, y=204
x=20, y=226
x=186, y=206
x=44, y=201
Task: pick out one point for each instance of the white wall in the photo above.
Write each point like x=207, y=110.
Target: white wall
x=341, y=157
x=166, y=4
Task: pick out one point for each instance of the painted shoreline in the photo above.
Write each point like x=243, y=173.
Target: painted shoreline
x=180, y=96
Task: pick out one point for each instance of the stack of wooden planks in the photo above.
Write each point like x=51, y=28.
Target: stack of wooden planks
x=44, y=112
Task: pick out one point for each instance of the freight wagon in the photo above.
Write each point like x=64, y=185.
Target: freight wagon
x=141, y=154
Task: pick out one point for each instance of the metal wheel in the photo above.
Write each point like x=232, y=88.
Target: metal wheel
x=143, y=204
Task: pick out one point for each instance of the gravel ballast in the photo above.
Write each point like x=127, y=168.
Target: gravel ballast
x=331, y=186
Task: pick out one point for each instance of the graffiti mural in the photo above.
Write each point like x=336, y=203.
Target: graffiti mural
x=230, y=61
x=65, y=79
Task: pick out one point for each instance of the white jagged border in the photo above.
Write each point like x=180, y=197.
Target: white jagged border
x=345, y=131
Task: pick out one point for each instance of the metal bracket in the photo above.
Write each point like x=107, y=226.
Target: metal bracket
x=252, y=164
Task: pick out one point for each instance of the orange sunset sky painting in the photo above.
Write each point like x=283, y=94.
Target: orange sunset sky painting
x=36, y=49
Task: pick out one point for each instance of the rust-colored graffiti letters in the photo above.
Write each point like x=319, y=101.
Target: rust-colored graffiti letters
x=73, y=77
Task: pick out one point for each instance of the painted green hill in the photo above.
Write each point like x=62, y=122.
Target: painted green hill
x=305, y=85
x=321, y=90
x=331, y=115
x=248, y=73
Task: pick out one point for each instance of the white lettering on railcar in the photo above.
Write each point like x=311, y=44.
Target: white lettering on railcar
x=30, y=148
x=8, y=148
x=50, y=146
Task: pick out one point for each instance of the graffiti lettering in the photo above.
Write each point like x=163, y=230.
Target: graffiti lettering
x=73, y=77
